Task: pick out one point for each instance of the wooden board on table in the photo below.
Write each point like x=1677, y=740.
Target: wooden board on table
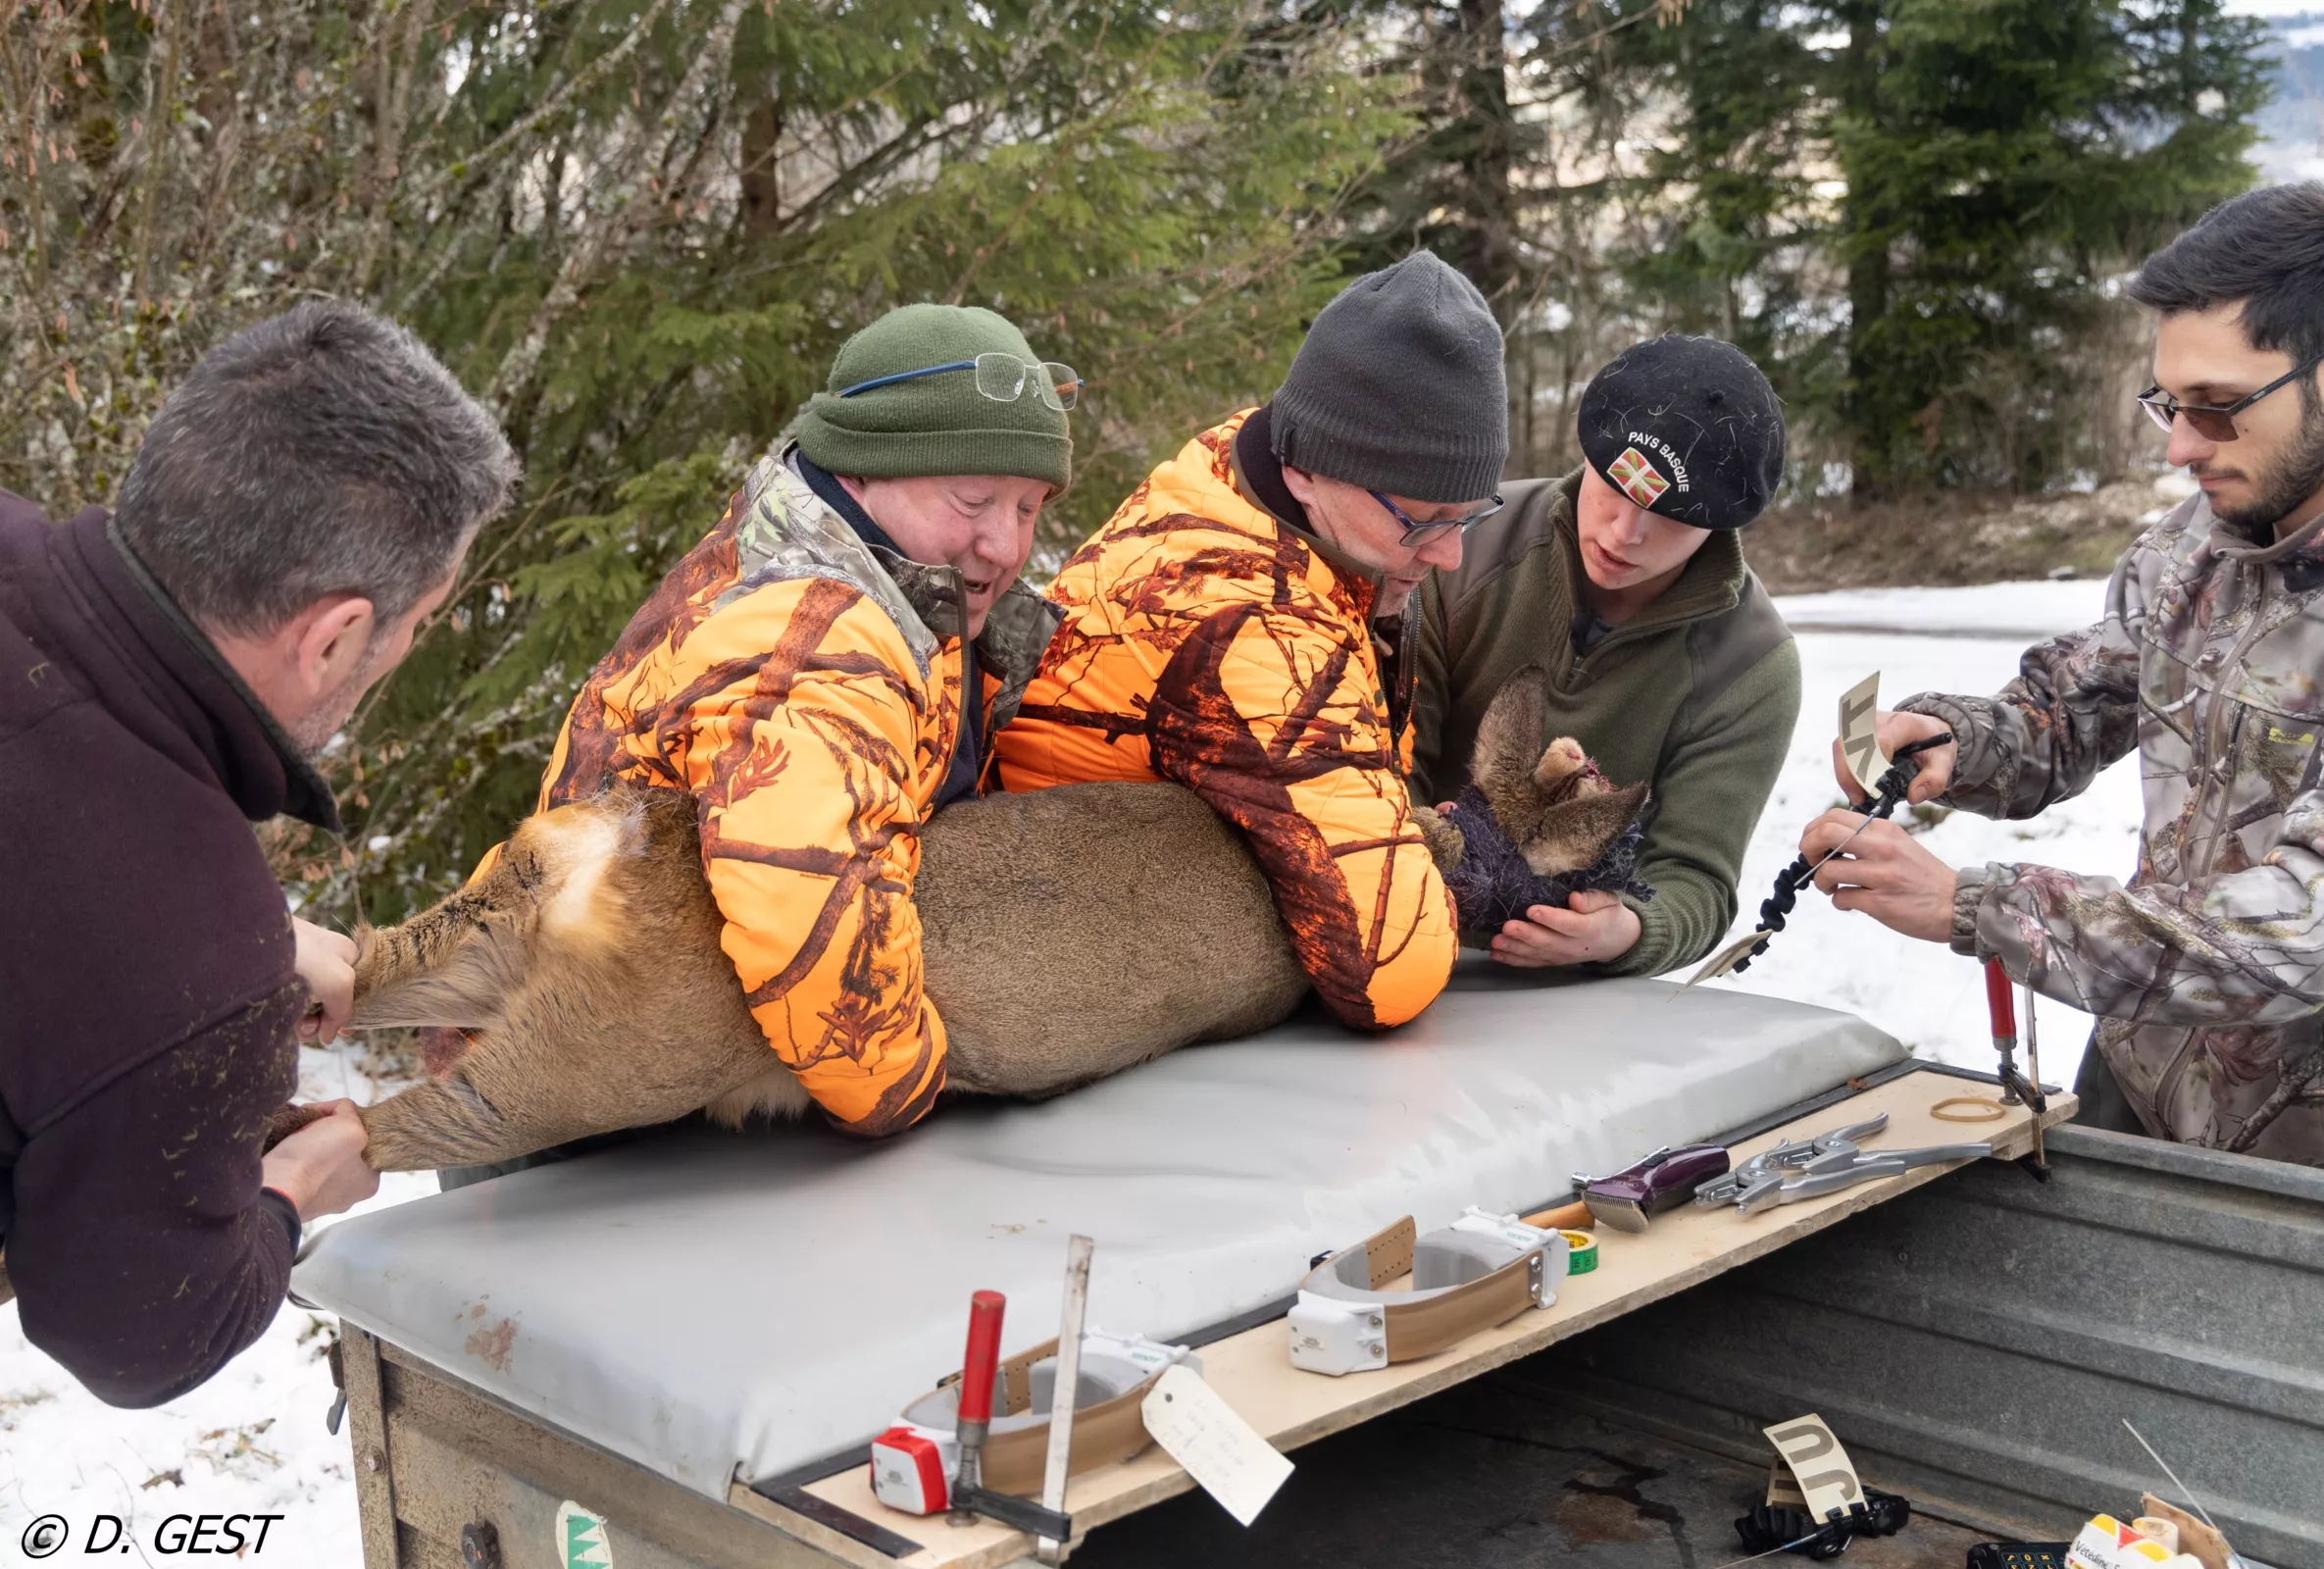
x=1253, y=1371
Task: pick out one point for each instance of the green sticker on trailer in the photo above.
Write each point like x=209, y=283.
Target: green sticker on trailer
x=581, y=1538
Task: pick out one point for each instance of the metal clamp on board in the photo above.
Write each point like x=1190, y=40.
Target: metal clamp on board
x=916, y=1464
x=1482, y=1270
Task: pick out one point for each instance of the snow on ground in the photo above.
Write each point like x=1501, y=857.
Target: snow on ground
x=249, y=1442
x=2015, y=612
x=253, y=1441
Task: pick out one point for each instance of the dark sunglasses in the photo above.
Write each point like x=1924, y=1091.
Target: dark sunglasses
x=1420, y=533
x=2213, y=421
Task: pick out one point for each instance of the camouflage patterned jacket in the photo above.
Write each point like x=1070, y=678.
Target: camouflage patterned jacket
x=1209, y=642
x=2207, y=971
x=806, y=688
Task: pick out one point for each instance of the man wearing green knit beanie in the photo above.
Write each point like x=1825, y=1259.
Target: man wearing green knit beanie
x=828, y=667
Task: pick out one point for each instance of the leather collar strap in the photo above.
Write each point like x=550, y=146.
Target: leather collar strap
x=1481, y=1271
x=1017, y=1446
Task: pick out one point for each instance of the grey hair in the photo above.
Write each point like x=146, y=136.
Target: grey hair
x=323, y=451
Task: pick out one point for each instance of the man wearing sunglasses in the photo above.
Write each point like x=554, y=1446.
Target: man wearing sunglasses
x=1625, y=581
x=2207, y=970
x=1220, y=630
x=828, y=667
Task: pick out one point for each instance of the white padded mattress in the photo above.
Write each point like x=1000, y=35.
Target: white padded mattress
x=707, y=1303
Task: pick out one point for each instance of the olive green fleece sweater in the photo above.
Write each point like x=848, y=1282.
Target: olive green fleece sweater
x=1697, y=694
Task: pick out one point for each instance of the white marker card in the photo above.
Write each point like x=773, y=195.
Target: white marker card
x=1818, y=1464
x=1859, y=718
x=1726, y=959
x=1219, y=1449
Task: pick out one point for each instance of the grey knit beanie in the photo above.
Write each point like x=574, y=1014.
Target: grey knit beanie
x=1399, y=387
x=933, y=423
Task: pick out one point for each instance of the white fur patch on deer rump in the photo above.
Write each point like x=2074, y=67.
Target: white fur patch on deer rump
x=586, y=845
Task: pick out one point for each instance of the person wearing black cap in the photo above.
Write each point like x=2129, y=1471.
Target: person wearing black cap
x=1231, y=627
x=1625, y=581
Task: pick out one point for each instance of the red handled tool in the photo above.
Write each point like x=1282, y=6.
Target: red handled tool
x=979, y=1371
x=2016, y=1088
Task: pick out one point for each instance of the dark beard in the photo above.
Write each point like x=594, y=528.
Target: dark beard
x=2287, y=483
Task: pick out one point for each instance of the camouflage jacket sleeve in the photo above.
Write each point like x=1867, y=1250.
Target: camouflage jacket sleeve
x=2073, y=710
x=1255, y=712
x=802, y=760
x=2242, y=945
x=2240, y=948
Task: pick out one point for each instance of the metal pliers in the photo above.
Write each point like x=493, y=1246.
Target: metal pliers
x=1791, y=1171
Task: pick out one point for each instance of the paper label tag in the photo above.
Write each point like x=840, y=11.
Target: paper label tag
x=1818, y=1464
x=1860, y=716
x=1726, y=959
x=1219, y=1449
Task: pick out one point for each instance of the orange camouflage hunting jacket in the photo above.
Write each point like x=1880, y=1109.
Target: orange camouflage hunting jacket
x=1207, y=642
x=806, y=689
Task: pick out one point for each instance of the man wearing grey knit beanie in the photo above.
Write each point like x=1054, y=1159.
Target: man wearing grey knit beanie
x=1219, y=631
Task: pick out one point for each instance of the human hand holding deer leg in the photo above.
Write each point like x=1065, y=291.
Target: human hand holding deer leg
x=1884, y=872
x=321, y=1168
x=327, y=964
x=1594, y=925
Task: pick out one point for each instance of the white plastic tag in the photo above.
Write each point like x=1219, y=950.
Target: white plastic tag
x=1507, y=1228
x=1726, y=959
x=1817, y=1463
x=1219, y=1449
x=1859, y=713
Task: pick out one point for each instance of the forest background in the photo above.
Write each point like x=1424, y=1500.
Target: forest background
x=640, y=229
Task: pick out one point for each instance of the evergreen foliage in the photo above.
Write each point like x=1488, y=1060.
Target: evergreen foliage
x=1911, y=210
x=640, y=228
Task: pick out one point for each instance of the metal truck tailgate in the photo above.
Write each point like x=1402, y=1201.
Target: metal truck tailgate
x=698, y=1301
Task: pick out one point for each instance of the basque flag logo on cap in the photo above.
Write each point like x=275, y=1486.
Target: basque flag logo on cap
x=1638, y=478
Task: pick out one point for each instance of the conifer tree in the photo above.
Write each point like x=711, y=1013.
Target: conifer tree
x=1965, y=175
x=640, y=229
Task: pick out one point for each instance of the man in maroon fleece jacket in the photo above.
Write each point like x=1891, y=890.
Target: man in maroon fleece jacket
x=300, y=504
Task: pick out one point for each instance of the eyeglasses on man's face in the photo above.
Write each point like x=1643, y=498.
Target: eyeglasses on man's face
x=1418, y=533
x=2213, y=421
x=1000, y=376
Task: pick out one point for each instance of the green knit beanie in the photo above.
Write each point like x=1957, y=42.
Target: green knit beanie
x=933, y=423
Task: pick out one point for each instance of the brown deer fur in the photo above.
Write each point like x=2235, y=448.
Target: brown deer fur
x=1066, y=935
x=1559, y=810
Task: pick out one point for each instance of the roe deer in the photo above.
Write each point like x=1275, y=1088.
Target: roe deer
x=1067, y=934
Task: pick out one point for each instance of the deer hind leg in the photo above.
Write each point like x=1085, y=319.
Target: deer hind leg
x=438, y=1122
x=451, y=965
x=571, y=1057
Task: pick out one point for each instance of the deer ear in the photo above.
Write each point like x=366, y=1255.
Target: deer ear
x=1509, y=736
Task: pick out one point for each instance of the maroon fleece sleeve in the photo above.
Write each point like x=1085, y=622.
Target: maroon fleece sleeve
x=143, y=1252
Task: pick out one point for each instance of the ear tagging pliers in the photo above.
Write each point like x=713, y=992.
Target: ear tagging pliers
x=1832, y=1160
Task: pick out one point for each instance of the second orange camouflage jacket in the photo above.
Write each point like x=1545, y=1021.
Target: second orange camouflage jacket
x=805, y=688
x=1207, y=642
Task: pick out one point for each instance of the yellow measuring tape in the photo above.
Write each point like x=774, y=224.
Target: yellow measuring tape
x=1581, y=1252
